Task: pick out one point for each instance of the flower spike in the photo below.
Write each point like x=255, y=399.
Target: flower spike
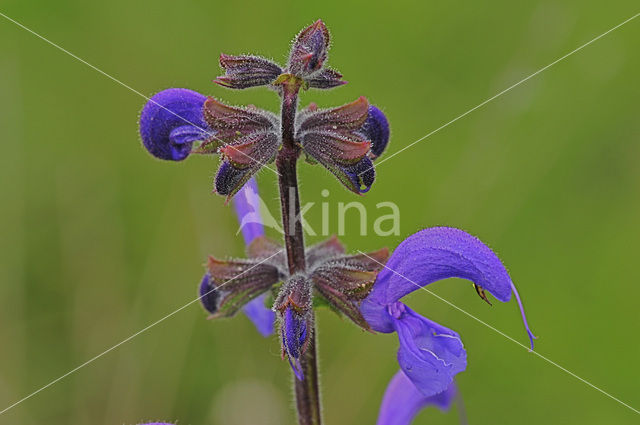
x=367, y=288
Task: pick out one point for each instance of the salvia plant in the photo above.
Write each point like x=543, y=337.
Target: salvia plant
x=293, y=279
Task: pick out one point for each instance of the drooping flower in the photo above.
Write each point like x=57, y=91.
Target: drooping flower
x=247, y=138
x=261, y=316
x=171, y=121
x=430, y=355
x=402, y=401
x=250, y=139
x=345, y=140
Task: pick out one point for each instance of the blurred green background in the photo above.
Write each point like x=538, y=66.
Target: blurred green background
x=99, y=239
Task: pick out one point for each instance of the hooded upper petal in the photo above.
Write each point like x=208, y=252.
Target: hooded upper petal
x=439, y=253
x=402, y=401
x=171, y=121
x=430, y=255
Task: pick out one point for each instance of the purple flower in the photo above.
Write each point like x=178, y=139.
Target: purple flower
x=246, y=204
x=334, y=138
x=296, y=319
x=247, y=138
x=430, y=355
x=402, y=401
x=171, y=121
x=247, y=207
x=376, y=130
x=250, y=139
x=342, y=280
x=294, y=338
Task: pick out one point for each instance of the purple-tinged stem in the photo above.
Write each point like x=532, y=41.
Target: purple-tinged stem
x=307, y=390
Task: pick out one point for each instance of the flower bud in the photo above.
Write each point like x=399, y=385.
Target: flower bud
x=345, y=280
x=294, y=308
x=208, y=295
x=246, y=71
x=309, y=50
x=249, y=139
x=294, y=338
x=325, y=79
x=230, y=285
x=333, y=137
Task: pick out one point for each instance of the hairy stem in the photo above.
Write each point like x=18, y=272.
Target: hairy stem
x=307, y=390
